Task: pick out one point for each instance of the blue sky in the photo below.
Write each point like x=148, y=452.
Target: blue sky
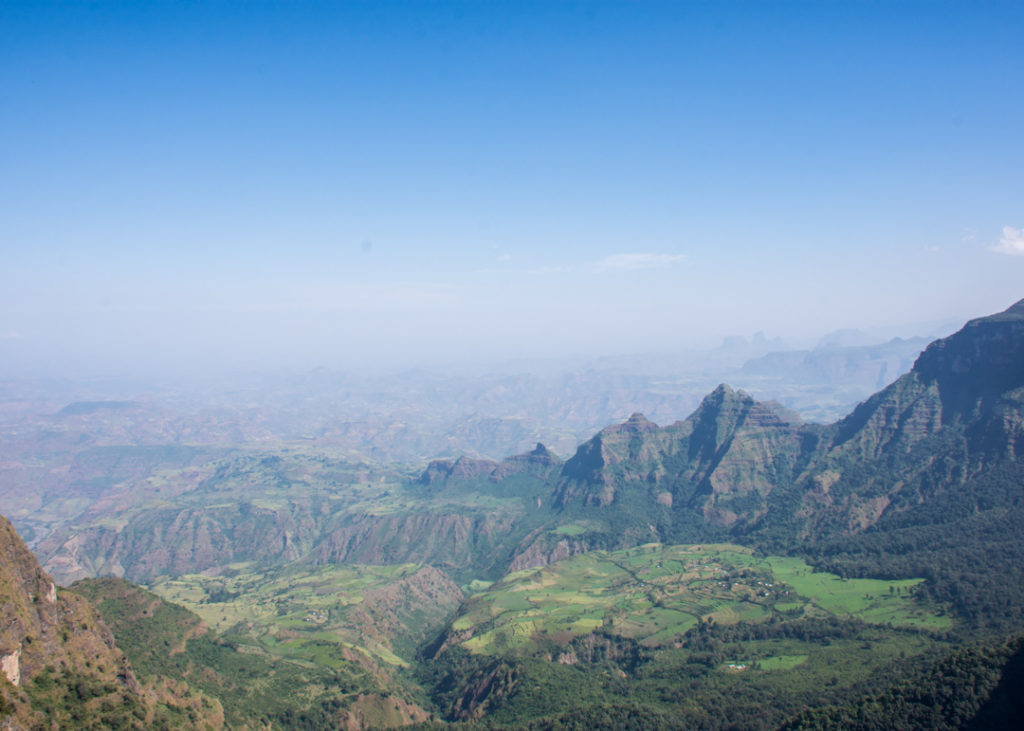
x=194, y=185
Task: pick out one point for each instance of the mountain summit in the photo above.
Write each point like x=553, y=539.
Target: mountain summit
x=751, y=468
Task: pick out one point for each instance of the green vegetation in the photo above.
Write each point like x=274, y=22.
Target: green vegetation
x=778, y=669
x=76, y=700
x=319, y=615
x=781, y=662
x=879, y=574
x=169, y=646
x=654, y=594
x=975, y=687
x=572, y=529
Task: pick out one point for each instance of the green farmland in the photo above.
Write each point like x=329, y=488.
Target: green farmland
x=320, y=615
x=655, y=593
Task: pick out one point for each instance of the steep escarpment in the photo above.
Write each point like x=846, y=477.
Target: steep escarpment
x=404, y=612
x=171, y=646
x=442, y=470
x=177, y=540
x=755, y=469
x=930, y=436
x=740, y=451
x=978, y=364
x=969, y=384
x=924, y=451
x=453, y=541
x=629, y=452
x=42, y=626
x=60, y=664
x=540, y=462
x=731, y=447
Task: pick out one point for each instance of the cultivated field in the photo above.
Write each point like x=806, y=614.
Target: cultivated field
x=655, y=593
x=316, y=614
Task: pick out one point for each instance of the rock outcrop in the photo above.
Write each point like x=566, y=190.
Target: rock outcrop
x=55, y=651
x=540, y=462
x=749, y=467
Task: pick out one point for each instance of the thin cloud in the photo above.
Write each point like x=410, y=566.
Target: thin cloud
x=534, y=270
x=1011, y=243
x=632, y=262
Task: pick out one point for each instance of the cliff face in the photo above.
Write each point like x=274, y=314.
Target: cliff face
x=978, y=364
x=182, y=540
x=734, y=468
x=751, y=467
x=955, y=417
x=540, y=462
x=41, y=626
x=55, y=652
x=731, y=446
x=449, y=540
x=979, y=373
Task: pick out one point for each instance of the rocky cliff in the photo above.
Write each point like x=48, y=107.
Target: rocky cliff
x=732, y=446
x=749, y=467
x=60, y=665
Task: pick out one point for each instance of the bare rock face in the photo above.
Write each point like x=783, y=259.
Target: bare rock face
x=957, y=414
x=744, y=465
x=978, y=364
x=441, y=470
x=730, y=445
x=542, y=548
x=41, y=627
x=10, y=665
x=442, y=539
x=539, y=462
x=53, y=632
x=969, y=382
x=178, y=540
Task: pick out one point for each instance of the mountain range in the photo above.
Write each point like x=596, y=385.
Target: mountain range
x=918, y=489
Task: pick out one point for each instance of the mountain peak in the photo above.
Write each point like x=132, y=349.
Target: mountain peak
x=636, y=423
x=540, y=456
x=723, y=394
x=984, y=358
x=1013, y=312
x=541, y=452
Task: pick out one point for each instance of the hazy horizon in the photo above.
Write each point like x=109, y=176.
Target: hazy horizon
x=197, y=187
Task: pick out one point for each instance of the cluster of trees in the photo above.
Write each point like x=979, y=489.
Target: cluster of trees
x=980, y=686
x=973, y=688
x=253, y=689
x=966, y=544
x=617, y=683
x=73, y=700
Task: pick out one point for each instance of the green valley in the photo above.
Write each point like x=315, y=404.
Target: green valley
x=654, y=594
x=321, y=614
x=737, y=569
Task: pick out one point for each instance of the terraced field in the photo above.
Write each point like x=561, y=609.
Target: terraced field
x=655, y=593
x=321, y=614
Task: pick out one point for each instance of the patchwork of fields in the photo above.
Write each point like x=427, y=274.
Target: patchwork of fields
x=652, y=594
x=320, y=614
x=655, y=593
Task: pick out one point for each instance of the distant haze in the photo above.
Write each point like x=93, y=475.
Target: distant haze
x=205, y=187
